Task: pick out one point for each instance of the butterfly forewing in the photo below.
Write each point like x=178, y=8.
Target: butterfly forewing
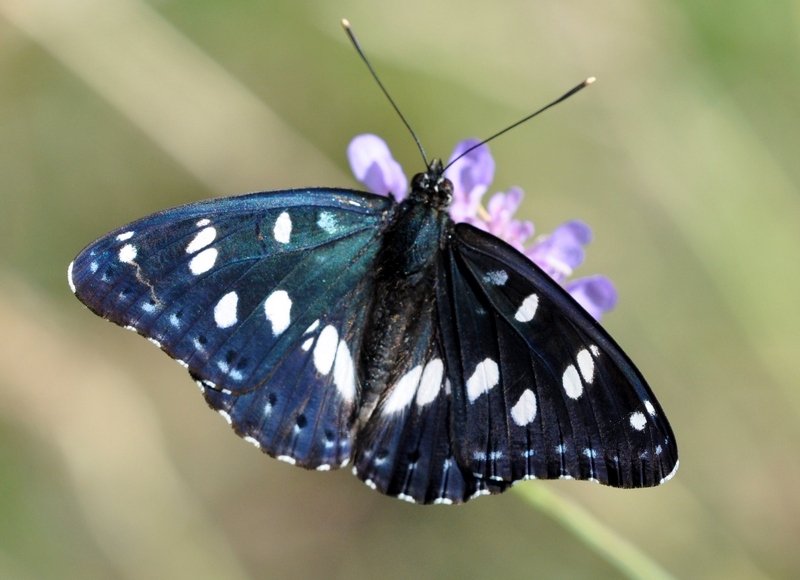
x=261, y=297
x=568, y=400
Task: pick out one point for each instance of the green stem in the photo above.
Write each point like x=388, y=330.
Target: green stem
x=604, y=541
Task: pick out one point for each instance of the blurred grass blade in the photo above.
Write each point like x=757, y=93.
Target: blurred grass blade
x=604, y=541
x=202, y=116
x=140, y=512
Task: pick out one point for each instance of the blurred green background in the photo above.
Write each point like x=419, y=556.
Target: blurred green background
x=682, y=157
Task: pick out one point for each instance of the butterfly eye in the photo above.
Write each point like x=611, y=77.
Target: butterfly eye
x=420, y=182
x=445, y=187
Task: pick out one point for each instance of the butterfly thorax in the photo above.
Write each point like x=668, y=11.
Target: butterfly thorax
x=405, y=276
x=432, y=187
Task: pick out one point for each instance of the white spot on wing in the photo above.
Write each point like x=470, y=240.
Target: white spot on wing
x=528, y=308
x=325, y=350
x=313, y=327
x=174, y=320
x=638, y=421
x=225, y=310
x=253, y=441
x=324, y=467
x=287, y=459
x=650, y=408
x=595, y=350
x=307, y=344
x=496, y=278
x=403, y=392
x=525, y=410
x=154, y=341
x=127, y=253
x=443, y=500
x=327, y=221
x=486, y=376
x=431, y=382
x=202, y=223
x=586, y=365
x=277, y=307
x=201, y=240
x=225, y=416
x=572, y=382
x=283, y=228
x=344, y=373
x=405, y=497
x=370, y=484
x=125, y=236
x=69, y=277
x=203, y=261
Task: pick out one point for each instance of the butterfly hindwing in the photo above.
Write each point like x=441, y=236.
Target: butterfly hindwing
x=304, y=407
x=258, y=296
x=405, y=449
x=539, y=388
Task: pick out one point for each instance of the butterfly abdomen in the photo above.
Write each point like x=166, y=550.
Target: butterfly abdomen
x=405, y=274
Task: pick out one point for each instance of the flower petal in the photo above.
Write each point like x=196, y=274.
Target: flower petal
x=501, y=210
x=562, y=251
x=596, y=294
x=471, y=176
x=373, y=165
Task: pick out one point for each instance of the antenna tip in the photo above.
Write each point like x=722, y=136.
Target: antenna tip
x=589, y=81
x=346, y=23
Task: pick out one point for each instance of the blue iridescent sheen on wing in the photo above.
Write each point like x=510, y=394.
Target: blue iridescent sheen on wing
x=261, y=298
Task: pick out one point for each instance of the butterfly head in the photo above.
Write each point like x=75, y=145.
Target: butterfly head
x=432, y=187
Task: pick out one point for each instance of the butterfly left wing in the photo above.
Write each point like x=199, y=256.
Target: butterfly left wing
x=539, y=389
x=261, y=298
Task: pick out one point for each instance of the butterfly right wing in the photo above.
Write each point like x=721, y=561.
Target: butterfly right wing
x=540, y=390
x=261, y=297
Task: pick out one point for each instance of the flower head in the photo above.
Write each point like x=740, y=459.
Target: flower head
x=558, y=253
x=471, y=176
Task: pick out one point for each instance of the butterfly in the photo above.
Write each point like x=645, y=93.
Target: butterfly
x=332, y=328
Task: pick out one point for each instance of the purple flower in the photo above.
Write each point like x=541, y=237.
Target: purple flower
x=595, y=293
x=562, y=251
x=501, y=210
x=471, y=176
x=558, y=254
x=373, y=165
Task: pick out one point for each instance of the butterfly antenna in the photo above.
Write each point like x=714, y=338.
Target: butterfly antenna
x=563, y=97
x=354, y=40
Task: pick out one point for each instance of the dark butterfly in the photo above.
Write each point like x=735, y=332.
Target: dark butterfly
x=331, y=326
